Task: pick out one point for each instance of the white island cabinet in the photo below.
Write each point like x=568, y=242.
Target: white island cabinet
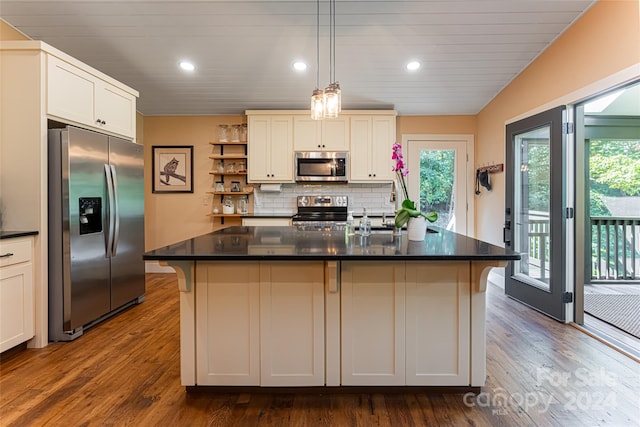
x=283, y=307
x=260, y=323
x=278, y=323
x=405, y=323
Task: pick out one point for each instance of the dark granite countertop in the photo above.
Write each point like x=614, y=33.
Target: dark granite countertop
x=8, y=234
x=289, y=243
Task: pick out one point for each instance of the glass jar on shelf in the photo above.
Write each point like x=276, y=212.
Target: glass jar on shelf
x=235, y=133
x=243, y=132
x=235, y=186
x=220, y=186
x=243, y=206
x=227, y=205
x=231, y=168
x=220, y=167
x=223, y=133
x=241, y=166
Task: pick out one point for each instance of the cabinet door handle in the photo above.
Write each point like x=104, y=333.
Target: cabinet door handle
x=8, y=254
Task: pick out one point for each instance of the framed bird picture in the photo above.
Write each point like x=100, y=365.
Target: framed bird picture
x=172, y=169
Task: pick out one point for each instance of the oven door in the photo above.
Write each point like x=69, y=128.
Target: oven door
x=321, y=167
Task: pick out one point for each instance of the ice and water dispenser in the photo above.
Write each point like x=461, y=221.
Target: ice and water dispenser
x=90, y=215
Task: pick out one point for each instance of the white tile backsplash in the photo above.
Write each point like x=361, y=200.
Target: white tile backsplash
x=374, y=197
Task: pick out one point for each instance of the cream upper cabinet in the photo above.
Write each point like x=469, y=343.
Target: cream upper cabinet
x=270, y=148
x=371, y=140
x=320, y=135
x=76, y=95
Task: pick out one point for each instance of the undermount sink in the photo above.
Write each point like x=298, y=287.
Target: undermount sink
x=389, y=230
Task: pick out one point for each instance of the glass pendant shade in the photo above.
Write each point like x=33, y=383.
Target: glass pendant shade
x=331, y=103
x=317, y=105
x=336, y=87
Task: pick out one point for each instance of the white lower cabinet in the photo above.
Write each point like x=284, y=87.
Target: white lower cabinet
x=386, y=324
x=260, y=323
x=373, y=323
x=16, y=292
x=228, y=323
x=438, y=324
x=405, y=323
x=292, y=323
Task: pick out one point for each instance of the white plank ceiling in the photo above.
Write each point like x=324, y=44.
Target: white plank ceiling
x=244, y=50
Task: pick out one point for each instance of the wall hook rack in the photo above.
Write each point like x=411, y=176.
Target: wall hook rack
x=492, y=168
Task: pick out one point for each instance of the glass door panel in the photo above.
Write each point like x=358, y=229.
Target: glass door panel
x=531, y=206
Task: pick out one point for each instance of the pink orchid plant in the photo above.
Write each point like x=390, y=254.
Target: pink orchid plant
x=408, y=208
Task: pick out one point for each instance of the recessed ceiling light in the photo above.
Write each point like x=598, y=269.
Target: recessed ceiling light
x=413, y=65
x=299, y=65
x=187, y=66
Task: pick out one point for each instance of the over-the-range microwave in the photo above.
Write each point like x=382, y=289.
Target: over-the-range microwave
x=321, y=166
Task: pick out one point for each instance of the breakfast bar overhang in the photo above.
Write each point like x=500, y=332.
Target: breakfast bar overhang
x=283, y=307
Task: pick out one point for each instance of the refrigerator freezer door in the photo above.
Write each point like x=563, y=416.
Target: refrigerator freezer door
x=87, y=290
x=127, y=268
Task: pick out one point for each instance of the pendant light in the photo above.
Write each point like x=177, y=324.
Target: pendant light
x=317, y=98
x=327, y=103
x=332, y=93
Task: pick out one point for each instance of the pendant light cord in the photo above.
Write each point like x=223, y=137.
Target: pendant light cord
x=317, y=44
x=332, y=41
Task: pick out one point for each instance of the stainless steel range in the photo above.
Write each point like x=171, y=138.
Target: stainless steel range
x=321, y=212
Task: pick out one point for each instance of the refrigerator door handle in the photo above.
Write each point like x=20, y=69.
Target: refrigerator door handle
x=116, y=232
x=112, y=212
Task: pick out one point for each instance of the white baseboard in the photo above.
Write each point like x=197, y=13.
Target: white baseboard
x=496, y=276
x=155, y=267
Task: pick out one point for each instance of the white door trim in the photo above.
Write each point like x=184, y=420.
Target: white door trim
x=468, y=140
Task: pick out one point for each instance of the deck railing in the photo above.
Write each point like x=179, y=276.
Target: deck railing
x=538, y=232
x=615, y=249
x=615, y=253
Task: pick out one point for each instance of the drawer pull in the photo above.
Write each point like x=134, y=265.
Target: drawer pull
x=8, y=254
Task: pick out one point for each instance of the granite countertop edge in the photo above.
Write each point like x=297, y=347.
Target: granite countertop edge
x=286, y=243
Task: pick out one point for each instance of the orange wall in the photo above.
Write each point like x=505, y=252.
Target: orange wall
x=170, y=218
x=462, y=125
x=604, y=41
x=8, y=32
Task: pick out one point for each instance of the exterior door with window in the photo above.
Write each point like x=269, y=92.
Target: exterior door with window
x=441, y=177
x=535, y=210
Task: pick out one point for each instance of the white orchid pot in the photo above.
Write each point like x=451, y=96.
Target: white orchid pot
x=417, y=228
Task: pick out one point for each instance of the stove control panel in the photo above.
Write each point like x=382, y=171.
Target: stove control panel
x=322, y=201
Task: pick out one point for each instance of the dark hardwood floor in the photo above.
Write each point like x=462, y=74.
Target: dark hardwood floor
x=125, y=372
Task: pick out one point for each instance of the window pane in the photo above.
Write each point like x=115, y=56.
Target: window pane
x=437, y=172
x=532, y=238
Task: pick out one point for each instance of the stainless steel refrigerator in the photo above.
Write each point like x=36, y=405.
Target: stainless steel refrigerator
x=96, y=229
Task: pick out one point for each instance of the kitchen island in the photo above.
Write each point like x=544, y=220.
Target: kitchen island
x=282, y=307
